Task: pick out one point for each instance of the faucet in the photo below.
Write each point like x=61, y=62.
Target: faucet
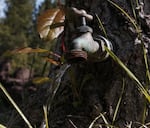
x=80, y=43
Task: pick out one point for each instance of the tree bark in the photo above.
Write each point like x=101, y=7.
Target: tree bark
x=88, y=89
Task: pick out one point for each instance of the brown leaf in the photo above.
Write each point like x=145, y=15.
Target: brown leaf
x=40, y=80
x=48, y=19
x=28, y=50
x=52, y=61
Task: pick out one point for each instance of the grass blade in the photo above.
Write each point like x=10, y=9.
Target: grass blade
x=72, y=124
x=146, y=64
x=56, y=84
x=133, y=9
x=147, y=80
x=15, y=106
x=127, y=15
x=92, y=124
x=45, y=116
x=105, y=121
x=101, y=25
x=130, y=74
x=118, y=104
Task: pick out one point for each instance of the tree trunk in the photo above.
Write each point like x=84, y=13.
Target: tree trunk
x=91, y=89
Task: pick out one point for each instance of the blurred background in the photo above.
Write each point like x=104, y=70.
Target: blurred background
x=18, y=20
x=18, y=29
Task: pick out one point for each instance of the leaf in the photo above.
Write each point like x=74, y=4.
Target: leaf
x=40, y=80
x=50, y=23
x=28, y=50
x=52, y=61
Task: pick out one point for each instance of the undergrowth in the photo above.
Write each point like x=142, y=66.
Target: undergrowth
x=142, y=88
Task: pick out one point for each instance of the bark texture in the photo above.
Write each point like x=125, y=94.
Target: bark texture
x=88, y=89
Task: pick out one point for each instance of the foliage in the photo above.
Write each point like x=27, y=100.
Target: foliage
x=15, y=29
x=49, y=27
x=17, y=24
x=50, y=23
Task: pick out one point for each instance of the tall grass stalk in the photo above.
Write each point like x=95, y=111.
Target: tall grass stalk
x=105, y=120
x=15, y=106
x=137, y=3
x=142, y=125
x=119, y=101
x=147, y=125
x=99, y=116
x=146, y=65
x=147, y=80
x=45, y=116
x=72, y=124
x=93, y=122
x=144, y=91
x=133, y=9
x=130, y=74
x=127, y=15
x=101, y=25
x=56, y=84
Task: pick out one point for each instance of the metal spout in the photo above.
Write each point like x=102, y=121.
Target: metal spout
x=84, y=48
x=80, y=44
x=75, y=56
x=80, y=47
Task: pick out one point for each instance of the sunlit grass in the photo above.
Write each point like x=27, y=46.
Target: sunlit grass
x=101, y=25
x=132, y=20
x=15, y=106
x=45, y=116
x=130, y=74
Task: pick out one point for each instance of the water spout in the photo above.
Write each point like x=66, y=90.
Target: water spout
x=81, y=46
x=80, y=43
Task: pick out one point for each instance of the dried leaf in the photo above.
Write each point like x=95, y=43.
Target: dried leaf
x=40, y=80
x=28, y=50
x=52, y=61
x=46, y=22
